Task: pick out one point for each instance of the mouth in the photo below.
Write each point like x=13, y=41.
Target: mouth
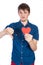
x=23, y=17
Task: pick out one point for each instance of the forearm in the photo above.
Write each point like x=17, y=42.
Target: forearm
x=33, y=45
x=32, y=42
x=2, y=33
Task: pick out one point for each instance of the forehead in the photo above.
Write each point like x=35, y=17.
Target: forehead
x=21, y=10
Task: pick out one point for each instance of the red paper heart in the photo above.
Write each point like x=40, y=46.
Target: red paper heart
x=26, y=30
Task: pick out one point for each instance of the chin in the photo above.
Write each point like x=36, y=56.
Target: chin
x=23, y=20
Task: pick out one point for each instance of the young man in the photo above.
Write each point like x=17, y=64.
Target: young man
x=25, y=36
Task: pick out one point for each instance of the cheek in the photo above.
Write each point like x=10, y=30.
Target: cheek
x=20, y=15
x=26, y=15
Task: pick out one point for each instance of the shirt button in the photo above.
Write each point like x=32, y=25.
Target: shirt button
x=16, y=34
x=22, y=45
x=21, y=57
x=21, y=52
x=22, y=40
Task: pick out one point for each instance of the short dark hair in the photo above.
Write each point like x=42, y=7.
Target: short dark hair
x=24, y=6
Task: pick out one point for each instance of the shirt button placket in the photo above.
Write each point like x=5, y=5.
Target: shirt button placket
x=22, y=51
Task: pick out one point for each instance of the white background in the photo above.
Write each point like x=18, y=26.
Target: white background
x=9, y=14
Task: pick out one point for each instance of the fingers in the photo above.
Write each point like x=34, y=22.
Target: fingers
x=28, y=35
x=10, y=30
x=11, y=36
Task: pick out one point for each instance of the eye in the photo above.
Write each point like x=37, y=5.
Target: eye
x=25, y=12
x=20, y=12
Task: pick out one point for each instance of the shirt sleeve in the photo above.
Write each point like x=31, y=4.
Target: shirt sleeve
x=36, y=33
x=10, y=25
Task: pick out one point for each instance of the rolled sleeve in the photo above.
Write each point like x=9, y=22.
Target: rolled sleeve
x=36, y=33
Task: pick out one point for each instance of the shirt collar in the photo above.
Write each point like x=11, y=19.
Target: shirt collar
x=22, y=24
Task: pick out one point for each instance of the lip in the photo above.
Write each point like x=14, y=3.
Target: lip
x=23, y=17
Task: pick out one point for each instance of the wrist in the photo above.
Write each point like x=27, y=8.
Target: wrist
x=30, y=40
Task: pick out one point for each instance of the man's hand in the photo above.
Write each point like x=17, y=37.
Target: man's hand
x=32, y=42
x=7, y=31
x=28, y=37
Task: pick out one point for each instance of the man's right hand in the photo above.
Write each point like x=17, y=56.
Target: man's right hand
x=9, y=31
x=6, y=31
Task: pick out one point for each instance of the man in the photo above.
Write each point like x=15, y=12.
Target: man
x=25, y=36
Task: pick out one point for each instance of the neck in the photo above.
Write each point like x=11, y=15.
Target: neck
x=24, y=22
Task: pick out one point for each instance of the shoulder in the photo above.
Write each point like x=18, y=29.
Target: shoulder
x=14, y=23
x=33, y=26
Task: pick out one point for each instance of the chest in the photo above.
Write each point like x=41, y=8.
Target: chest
x=20, y=31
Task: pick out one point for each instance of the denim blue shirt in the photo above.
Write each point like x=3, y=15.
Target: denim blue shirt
x=21, y=52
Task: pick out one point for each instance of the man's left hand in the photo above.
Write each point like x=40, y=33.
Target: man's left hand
x=28, y=37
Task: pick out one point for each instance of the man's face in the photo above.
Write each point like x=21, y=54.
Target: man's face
x=23, y=14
